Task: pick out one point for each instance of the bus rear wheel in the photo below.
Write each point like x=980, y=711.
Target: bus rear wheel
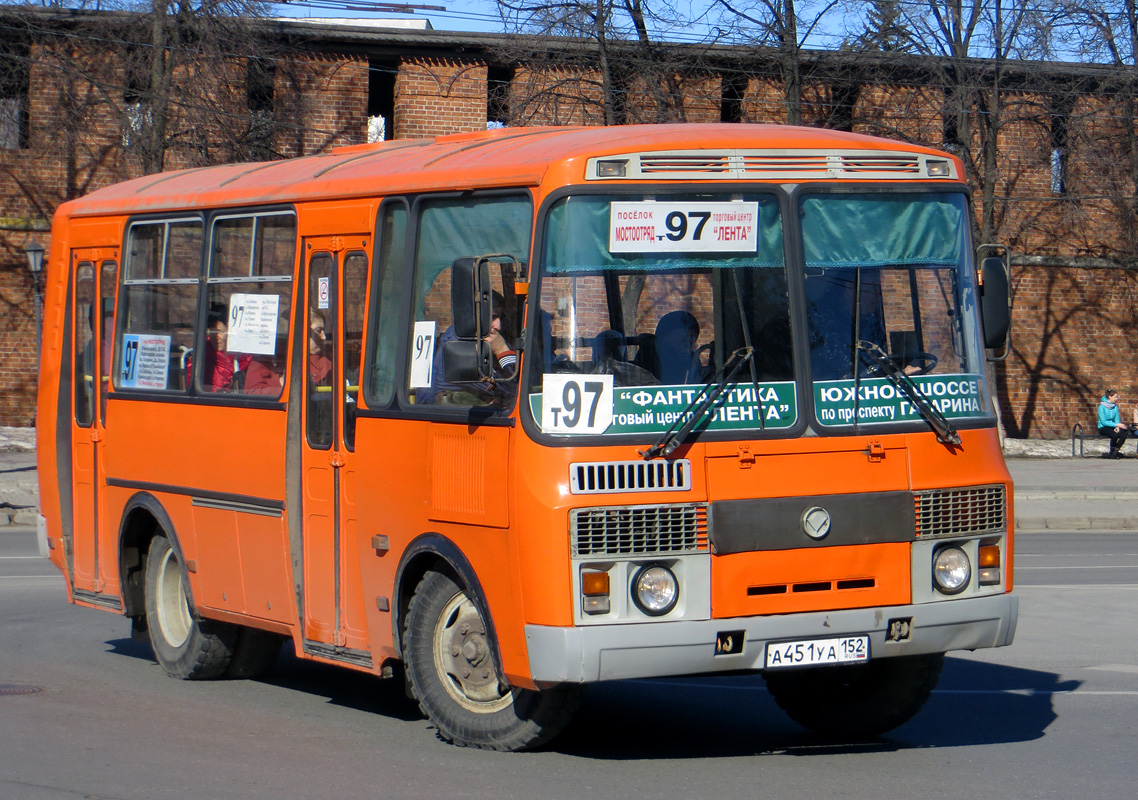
x=451, y=669
x=185, y=645
x=860, y=700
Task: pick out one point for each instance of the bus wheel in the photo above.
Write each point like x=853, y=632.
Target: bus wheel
x=859, y=700
x=450, y=666
x=186, y=646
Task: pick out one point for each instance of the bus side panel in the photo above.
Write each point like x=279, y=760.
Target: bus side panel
x=399, y=499
x=235, y=455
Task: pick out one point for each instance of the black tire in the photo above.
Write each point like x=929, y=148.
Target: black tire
x=861, y=700
x=452, y=674
x=186, y=646
x=254, y=654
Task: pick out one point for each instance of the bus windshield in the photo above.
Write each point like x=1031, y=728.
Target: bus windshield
x=645, y=298
x=889, y=277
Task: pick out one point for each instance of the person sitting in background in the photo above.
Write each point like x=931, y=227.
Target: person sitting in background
x=1110, y=424
x=264, y=376
x=221, y=368
x=319, y=365
x=676, y=360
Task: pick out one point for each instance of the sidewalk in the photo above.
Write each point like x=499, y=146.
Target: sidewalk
x=1053, y=491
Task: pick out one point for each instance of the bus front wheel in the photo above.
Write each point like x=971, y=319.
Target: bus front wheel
x=859, y=700
x=453, y=676
x=185, y=646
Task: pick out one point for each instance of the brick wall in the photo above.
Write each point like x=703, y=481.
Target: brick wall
x=563, y=96
x=434, y=97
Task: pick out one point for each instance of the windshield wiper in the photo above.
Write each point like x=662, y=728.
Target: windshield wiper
x=876, y=357
x=704, y=399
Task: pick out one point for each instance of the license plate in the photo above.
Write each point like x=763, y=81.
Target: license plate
x=840, y=650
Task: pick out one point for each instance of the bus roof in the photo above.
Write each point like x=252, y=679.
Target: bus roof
x=503, y=157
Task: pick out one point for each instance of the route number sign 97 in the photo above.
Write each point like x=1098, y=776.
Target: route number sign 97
x=578, y=404
x=683, y=227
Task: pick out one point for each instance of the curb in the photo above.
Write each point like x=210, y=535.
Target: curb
x=1076, y=524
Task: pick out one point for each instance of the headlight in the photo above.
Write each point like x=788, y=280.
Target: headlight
x=951, y=570
x=655, y=590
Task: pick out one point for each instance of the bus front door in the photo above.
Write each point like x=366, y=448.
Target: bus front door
x=94, y=277
x=333, y=615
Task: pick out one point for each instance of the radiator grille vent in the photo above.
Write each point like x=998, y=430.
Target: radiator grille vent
x=638, y=530
x=608, y=477
x=960, y=512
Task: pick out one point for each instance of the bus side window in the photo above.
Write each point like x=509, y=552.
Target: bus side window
x=355, y=283
x=85, y=364
x=449, y=229
x=252, y=258
x=386, y=296
x=161, y=274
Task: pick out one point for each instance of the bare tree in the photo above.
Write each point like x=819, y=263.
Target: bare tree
x=1106, y=31
x=603, y=53
x=783, y=26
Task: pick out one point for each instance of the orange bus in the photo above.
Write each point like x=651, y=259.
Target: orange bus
x=514, y=411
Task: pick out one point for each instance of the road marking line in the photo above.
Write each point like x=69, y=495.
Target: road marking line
x=1041, y=692
x=1076, y=586
x=1075, y=555
x=1086, y=566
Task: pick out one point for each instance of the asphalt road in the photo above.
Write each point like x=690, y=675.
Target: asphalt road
x=1053, y=716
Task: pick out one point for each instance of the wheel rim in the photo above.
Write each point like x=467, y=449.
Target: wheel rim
x=174, y=619
x=463, y=659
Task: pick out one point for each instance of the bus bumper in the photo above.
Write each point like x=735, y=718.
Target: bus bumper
x=614, y=652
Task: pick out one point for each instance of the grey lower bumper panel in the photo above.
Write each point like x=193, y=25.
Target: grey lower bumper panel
x=615, y=652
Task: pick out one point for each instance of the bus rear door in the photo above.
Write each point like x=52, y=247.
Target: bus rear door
x=95, y=275
x=333, y=614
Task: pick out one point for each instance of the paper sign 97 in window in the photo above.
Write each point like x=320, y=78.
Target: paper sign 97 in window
x=576, y=404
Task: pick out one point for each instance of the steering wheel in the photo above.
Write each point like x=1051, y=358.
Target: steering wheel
x=625, y=373
x=708, y=348
x=921, y=364
x=924, y=363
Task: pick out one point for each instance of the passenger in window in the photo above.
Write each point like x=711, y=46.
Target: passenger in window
x=222, y=370
x=319, y=365
x=676, y=358
x=499, y=392
x=264, y=376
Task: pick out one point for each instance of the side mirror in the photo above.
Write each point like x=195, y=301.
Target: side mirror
x=470, y=298
x=994, y=308
x=467, y=362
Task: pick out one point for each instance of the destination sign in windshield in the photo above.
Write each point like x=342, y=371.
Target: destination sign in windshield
x=674, y=227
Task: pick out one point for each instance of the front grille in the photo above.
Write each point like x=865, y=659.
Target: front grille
x=961, y=512
x=608, y=477
x=638, y=530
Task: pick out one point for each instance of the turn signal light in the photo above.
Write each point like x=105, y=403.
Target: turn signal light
x=595, y=592
x=594, y=583
x=989, y=558
x=989, y=555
